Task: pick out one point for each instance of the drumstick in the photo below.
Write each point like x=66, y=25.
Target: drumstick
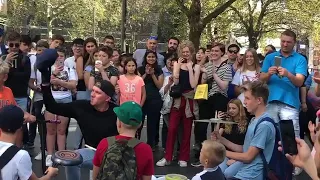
x=89, y=147
x=218, y=124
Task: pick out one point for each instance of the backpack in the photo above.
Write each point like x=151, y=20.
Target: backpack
x=119, y=162
x=279, y=167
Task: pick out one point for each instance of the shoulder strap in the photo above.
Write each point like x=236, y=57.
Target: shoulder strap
x=265, y=163
x=6, y=157
x=111, y=140
x=133, y=142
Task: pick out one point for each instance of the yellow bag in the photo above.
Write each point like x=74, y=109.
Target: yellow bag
x=201, y=92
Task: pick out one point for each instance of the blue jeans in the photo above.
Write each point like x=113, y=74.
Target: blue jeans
x=230, y=171
x=22, y=103
x=83, y=95
x=74, y=172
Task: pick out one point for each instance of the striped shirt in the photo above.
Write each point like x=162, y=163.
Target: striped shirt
x=224, y=73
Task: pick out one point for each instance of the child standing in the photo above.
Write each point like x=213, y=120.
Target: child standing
x=211, y=155
x=131, y=85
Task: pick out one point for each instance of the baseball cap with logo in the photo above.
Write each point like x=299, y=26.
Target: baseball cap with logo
x=130, y=113
x=106, y=86
x=11, y=118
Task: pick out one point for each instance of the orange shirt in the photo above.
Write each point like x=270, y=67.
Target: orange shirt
x=6, y=97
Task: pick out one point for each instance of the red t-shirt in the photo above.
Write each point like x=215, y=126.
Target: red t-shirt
x=6, y=97
x=143, y=152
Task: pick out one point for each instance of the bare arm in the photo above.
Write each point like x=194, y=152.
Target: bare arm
x=95, y=172
x=317, y=90
x=176, y=72
x=264, y=76
x=194, y=77
x=86, y=78
x=157, y=81
x=297, y=79
x=146, y=177
x=143, y=95
x=91, y=82
x=114, y=80
x=104, y=75
x=303, y=94
x=230, y=145
x=245, y=157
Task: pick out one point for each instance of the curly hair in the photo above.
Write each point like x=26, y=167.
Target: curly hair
x=240, y=118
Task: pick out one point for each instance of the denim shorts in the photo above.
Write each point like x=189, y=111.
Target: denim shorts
x=64, y=100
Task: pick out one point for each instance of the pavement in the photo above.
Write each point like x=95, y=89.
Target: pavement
x=158, y=154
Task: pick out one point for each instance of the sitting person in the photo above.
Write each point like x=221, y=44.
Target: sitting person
x=211, y=155
x=234, y=133
x=129, y=120
x=16, y=162
x=256, y=97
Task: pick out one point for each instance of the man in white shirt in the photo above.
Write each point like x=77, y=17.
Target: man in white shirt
x=77, y=50
x=20, y=165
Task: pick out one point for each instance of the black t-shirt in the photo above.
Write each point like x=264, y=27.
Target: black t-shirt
x=235, y=136
x=94, y=125
x=152, y=91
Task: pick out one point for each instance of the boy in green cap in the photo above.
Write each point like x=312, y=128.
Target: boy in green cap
x=129, y=120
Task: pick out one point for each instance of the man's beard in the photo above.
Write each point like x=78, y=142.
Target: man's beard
x=171, y=50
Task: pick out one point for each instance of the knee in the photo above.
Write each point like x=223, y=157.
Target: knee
x=61, y=132
x=51, y=131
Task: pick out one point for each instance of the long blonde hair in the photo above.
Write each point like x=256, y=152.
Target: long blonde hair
x=241, y=118
x=256, y=60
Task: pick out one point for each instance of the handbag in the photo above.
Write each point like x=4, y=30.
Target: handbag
x=201, y=92
x=175, y=91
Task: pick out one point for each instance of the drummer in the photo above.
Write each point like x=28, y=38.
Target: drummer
x=96, y=118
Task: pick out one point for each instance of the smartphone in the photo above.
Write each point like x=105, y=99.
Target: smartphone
x=277, y=61
x=289, y=143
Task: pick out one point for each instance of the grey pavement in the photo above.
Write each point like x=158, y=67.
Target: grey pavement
x=173, y=168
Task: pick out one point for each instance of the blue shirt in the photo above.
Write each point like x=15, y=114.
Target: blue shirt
x=282, y=89
x=264, y=139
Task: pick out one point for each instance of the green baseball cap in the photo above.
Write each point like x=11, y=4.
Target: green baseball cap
x=130, y=113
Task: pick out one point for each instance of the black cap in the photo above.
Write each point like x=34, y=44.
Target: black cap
x=106, y=87
x=11, y=118
x=46, y=59
x=234, y=45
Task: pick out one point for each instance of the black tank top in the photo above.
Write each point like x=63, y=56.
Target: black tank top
x=184, y=81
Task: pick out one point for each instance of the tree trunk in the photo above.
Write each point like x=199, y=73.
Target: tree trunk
x=49, y=20
x=253, y=42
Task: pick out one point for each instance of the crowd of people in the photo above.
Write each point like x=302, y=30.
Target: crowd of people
x=110, y=94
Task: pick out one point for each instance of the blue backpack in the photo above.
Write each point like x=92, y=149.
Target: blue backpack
x=279, y=168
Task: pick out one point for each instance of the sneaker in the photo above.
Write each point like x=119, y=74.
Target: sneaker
x=297, y=171
x=183, y=163
x=196, y=164
x=49, y=161
x=39, y=156
x=163, y=162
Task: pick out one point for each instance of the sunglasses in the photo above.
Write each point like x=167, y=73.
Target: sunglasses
x=14, y=45
x=233, y=51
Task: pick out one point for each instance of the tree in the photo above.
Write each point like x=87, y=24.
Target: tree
x=196, y=22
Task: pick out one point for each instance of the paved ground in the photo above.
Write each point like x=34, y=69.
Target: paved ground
x=174, y=168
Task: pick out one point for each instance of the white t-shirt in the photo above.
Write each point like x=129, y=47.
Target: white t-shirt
x=70, y=62
x=20, y=165
x=68, y=74
x=37, y=76
x=241, y=77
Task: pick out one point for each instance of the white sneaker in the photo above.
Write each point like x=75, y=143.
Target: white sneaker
x=297, y=171
x=39, y=156
x=163, y=162
x=49, y=161
x=183, y=163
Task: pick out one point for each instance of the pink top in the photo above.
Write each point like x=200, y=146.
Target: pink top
x=130, y=90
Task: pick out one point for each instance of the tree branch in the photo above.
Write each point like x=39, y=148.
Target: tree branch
x=245, y=24
x=263, y=12
x=217, y=11
x=183, y=8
